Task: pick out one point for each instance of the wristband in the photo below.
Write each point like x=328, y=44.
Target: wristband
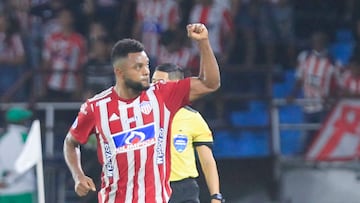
x=218, y=196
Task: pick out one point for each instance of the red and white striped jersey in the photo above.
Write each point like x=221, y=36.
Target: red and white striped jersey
x=156, y=16
x=218, y=21
x=349, y=82
x=133, y=144
x=182, y=57
x=318, y=74
x=67, y=55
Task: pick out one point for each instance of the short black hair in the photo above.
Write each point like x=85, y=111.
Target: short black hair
x=174, y=71
x=125, y=46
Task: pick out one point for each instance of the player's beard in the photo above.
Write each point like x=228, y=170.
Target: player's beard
x=136, y=86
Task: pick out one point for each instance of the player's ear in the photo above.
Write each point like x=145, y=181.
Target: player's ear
x=118, y=71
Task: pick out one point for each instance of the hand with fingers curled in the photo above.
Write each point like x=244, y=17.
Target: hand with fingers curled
x=197, y=31
x=83, y=185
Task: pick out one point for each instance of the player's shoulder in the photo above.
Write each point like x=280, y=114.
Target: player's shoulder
x=189, y=112
x=102, y=95
x=303, y=55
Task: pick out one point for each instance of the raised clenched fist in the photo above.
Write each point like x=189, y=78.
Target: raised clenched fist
x=197, y=31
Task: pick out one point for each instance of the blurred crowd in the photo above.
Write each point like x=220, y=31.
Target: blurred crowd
x=59, y=50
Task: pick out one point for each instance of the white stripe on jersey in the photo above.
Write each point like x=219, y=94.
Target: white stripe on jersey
x=321, y=71
x=104, y=122
x=141, y=176
x=327, y=72
x=311, y=65
x=102, y=191
x=101, y=94
x=106, y=130
x=156, y=112
x=130, y=154
x=166, y=127
x=143, y=155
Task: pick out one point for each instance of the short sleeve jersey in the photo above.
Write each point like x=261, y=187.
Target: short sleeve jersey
x=318, y=74
x=188, y=130
x=133, y=144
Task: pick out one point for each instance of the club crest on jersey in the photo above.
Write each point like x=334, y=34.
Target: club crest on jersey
x=145, y=107
x=135, y=138
x=180, y=142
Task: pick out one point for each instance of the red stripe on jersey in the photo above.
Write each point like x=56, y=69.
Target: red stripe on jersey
x=228, y=21
x=122, y=182
x=204, y=14
x=137, y=160
x=326, y=81
x=314, y=70
x=150, y=194
x=173, y=16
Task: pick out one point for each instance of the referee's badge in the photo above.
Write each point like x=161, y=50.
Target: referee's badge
x=180, y=142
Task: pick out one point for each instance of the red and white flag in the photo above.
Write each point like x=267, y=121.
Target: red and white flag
x=339, y=136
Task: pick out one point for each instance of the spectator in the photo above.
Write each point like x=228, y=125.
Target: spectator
x=245, y=19
x=217, y=17
x=15, y=188
x=64, y=55
x=152, y=18
x=316, y=76
x=12, y=54
x=174, y=48
x=265, y=29
x=124, y=25
x=47, y=13
x=284, y=53
x=97, y=31
x=189, y=134
x=349, y=81
x=98, y=72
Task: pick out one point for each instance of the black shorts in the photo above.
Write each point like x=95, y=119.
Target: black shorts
x=184, y=191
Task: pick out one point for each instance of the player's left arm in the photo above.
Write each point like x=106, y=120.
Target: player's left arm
x=209, y=168
x=208, y=79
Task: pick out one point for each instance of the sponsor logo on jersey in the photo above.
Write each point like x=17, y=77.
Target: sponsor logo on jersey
x=135, y=138
x=145, y=107
x=180, y=142
x=108, y=162
x=160, y=149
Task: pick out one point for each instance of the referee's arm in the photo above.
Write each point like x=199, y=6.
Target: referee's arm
x=209, y=168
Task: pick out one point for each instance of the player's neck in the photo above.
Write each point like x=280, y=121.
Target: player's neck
x=125, y=92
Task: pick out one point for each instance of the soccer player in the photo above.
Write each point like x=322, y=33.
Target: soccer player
x=131, y=121
x=188, y=130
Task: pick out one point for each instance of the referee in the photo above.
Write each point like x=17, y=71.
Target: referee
x=189, y=131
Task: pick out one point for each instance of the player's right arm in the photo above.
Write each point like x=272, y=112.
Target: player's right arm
x=83, y=183
x=79, y=134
